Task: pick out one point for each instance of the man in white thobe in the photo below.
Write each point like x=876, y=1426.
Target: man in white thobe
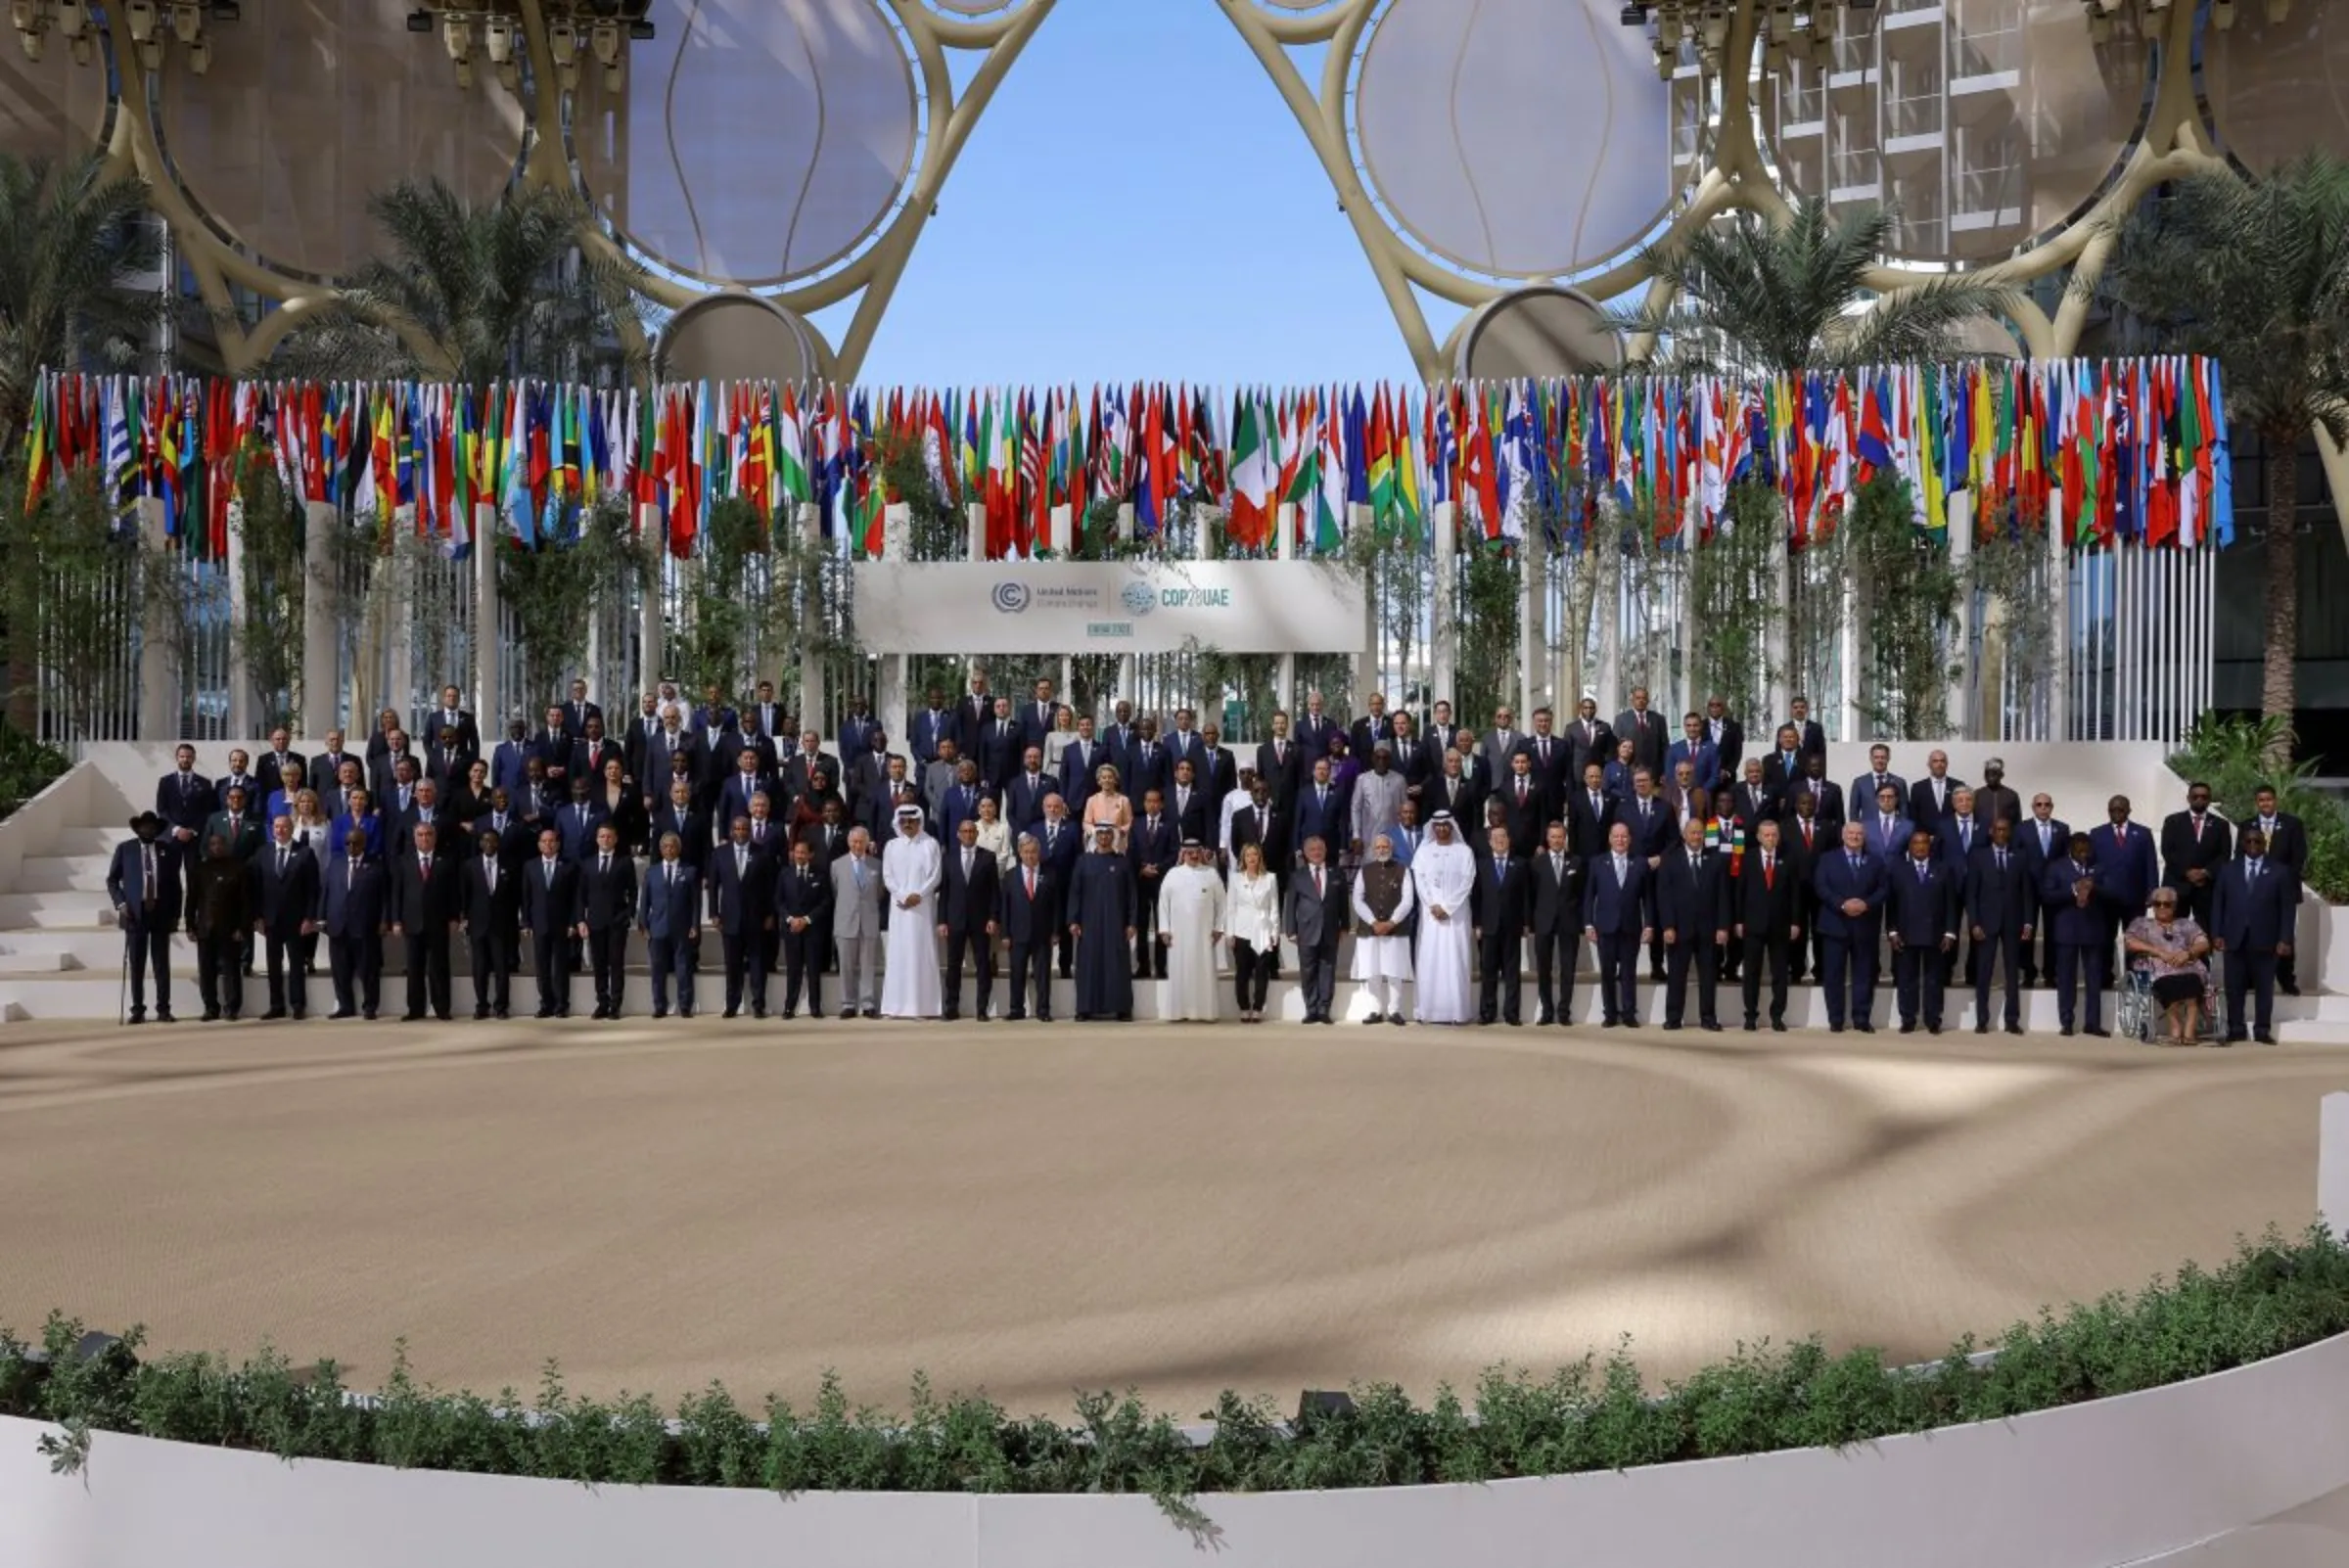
x=910, y=869
x=1382, y=944
x=1190, y=927
x=1444, y=876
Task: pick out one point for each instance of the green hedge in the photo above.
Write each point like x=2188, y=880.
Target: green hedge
x=2274, y=1295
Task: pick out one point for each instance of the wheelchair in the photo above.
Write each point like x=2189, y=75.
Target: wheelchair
x=2140, y=1015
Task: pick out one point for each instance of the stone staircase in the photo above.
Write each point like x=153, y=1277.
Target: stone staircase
x=61, y=956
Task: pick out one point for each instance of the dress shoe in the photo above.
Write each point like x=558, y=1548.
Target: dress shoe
x=1380, y=1018
x=845, y=1012
x=339, y=1014
x=1513, y=1022
x=1752, y=1024
x=1128, y=1018
x=368, y=1016
x=2263, y=1037
x=544, y=1012
x=1542, y=1022
x=273, y=1014
x=2014, y=1028
x=1778, y=1026
x=480, y=1010
x=1610, y=1022
x=1671, y=1028
x=1834, y=1029
x=2069, y=1032
x=758, y=1011
x=730, y=1012
x=1865, y=1029
x=212, y=1015
x=660, y=1012
x=1909, y=1028
x=1712, y=1024
x=1982, y=1028
x=411, y=1018
x=1396, y=1019
x=138, y=1015
x=1043, y=1018
x=1629, y=1021
x=872, y=1012
x=498, y=1013
x=948, y=1016
x=2290, y=987
x=440, y=1018
x=2101, y=1034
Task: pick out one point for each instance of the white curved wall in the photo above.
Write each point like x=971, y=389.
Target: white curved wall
x=2249, y=1469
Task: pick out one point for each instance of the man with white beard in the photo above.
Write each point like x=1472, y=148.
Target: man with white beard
x=1190, y=927
x=1382, y=946
x=1444, y=877
x=910, y=869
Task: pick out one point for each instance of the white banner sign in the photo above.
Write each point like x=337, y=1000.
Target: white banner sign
x=981, y=607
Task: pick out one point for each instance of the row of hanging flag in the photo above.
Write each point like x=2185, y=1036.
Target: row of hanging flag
x=2099, y=450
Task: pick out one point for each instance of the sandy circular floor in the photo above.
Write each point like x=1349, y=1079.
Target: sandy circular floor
x=1173, y=1209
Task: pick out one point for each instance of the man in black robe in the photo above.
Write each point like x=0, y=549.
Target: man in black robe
x=1101, y=924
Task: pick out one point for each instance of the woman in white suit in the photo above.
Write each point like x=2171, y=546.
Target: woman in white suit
x=1252, y=920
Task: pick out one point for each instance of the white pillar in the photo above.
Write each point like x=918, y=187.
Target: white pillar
x=402, y=635
x=1607, y=606
x=1203, y=537
x=321, y=603
x=2059, y=604
x=1781, y=652
x=488, y=634
x=159, y=644
x=1284, y=529
x=1060, y=536
x=1847, y=653
x=241, y=693
x=1442, y=616
x=651, y=654
x=1126, y=523
x=1285, y=691
x=974, y=529
x=811, y=670
x=2332, y=1163
x=1532, y=637
x=1960, y=704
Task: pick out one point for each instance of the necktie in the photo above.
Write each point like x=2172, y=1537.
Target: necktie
x=1855, y=860
x=604, y=863
x=1619, y=868
x=1051, y=832
x=281, y=863
x=147, y=875
x=856, y=866
x=759, y=831
x=350, y=872
x=1557, y=866
x=1921, y=872
x=1032, y=882
x=1521, y=790
x=966, y=865
x=1769, y=870
x=2251, y=870
x=1543, y=749
x=424, y=863
x=550, y=871
x=1316, y=882
x=1806, y=832
x=742, y=861
x=672, y=873
x=184, y=786
x=489, y=870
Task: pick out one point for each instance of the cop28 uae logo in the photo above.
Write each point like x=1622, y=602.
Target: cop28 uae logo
x=1139, y=598
x=1011, y=597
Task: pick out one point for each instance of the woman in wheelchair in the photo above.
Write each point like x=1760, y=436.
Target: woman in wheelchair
x=2169, y=948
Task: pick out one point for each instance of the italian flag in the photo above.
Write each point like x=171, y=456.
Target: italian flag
x=1254, y=473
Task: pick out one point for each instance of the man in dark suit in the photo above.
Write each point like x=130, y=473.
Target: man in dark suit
x=1749, y=802
x=1692, y=906
x=281, y=755
x=1153, y=849
x=238, y=823
x=1860, y=798
x=1313, y=914
x=510, y=761
x=974, y=711
x=393, y=780
x=2252, y=914
x=2286, y=839
x=1377, y=724
x=1496, y=913
x=1551, y=755
x=451, y=725
x=1814, y=738
x=425, y=809
x=1266, y=825
x=936, y=723
x=1888, y=827
x=220, y=912
x=669, y=915
x=1589, y=812
x=742, y=905
x=1653, y=832
x=2125, y=850
x=1024, y=799
x=803, y=896
x=1059, y=841
x=746, y=780
x=2045, y=840
x=1961, y=835
x=607, y=907
x=1001, y=747
x=1149, y=765
x=1617, y=917
x=143, y=881
x=1188, y=805
x=1922, y=916
x=1804, y=837
x=1934, y=796
x=681, y=816
x=2194, y=844
x=2079, y=904
x=239, y=776
x=1831, y=808
x=1852, y=889
x=1994, y=801
x=1524, y=804
x=1217, y=772
x=1079, y=762
x=286, y=911
x=1280, y=764
x=1317, y=729
x=1647, y=730
x=1782, y=764
x=492, y=905
x=2000, y=911
x=968, y=895
x=1451, y=790
x=185, y=799
x=1026, y=913
x=325, y=772
x=1322, y=808
x=580, y=709
x=550, y=914
x=1587, y=739
x=352, y=909
x=1766, y=919
x=1727, y=738
x=424, y=903
x=1556, y=923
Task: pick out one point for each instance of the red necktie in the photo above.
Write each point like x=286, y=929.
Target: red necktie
x=1769, y=873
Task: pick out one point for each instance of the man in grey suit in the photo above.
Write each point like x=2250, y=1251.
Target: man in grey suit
x=1500, y=744
x=1315, y=917
x=856, y=925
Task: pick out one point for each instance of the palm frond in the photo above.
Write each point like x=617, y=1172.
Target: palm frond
x=75, y=241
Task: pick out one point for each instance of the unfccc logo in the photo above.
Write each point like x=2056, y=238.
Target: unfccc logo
x=1139, y=598
x=1011, y=597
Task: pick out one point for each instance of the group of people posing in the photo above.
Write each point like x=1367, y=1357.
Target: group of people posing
x=1130, y=850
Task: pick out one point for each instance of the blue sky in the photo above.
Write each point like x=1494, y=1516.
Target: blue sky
x=1137, y=202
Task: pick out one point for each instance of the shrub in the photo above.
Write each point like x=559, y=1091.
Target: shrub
x=2235, y=754
x=2272, y=1296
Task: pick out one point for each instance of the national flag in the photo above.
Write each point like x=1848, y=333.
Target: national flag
x=1254, y=473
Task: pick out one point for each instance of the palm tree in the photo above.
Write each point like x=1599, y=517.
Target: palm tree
x=2255, y=274
x=469, y=291
x=74, y=242
x=1790, y=296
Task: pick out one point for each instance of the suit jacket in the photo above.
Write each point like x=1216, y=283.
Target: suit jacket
x=693, y=833
x=856, y=914
x=1460, y=797
x=1837, y=883
x=2075, y=924
x=967, y=903
x=2183, y=852
x=929, y=727
x=575, y=715
x=1060, y=854
x=1703, y=761
x=1001, y=749
x=1494, y=747
x=1366, y=732
x=1558, y=903
x=587, y=760
x=1859, y=801
x=286, y=897
x=325, y=771
x=1079, y=761
x=1314, y=733
x=1768, y=904
x=1182, y=746
x=1321, y=814
x=1026, y=920
x=1316, y=922
x=1652, y=831
x=1832, y=810
x=244, y=840
x=1922, y=913
x=878, y=810
x=2287, y=843
x=1147, y=766
x=1883, y=841
x=509, y=765
x=1999, y=901
x=607, y=898
x=2127, y=862
x=548, y=905
x=384, y=785
x=486, y=908
x=972, y=715
x=1778, y=773
x=1585, y=747
x=1272, y=834
x=270, y=767
x=1728, y=748
x=798, y=773
x=635, y=741
x=1824, y=840
x=1282, y=772
x=857, y=733
x=1955, y=847
x=1751, y=805
x=461, y=728
x=1503, y=896
x=1617, y=908
x=2060, y=848
x=1924, y=809
x=740, y=900
x=867, y=775
x=419, y=903
x=1553, y=772
x=2254, y=915
x=669, y=904
x=1648, y=735
x=1192, y=818
x=1160, y=848
x=1526, y=818
x=126, y=883
x=1692, y=893
x=734, y=798
x=808, y=898
x=1587, y=824
x=350, y=899
x=1023, y=800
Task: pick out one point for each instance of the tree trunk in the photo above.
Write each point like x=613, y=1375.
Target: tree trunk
x=2278, y=684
